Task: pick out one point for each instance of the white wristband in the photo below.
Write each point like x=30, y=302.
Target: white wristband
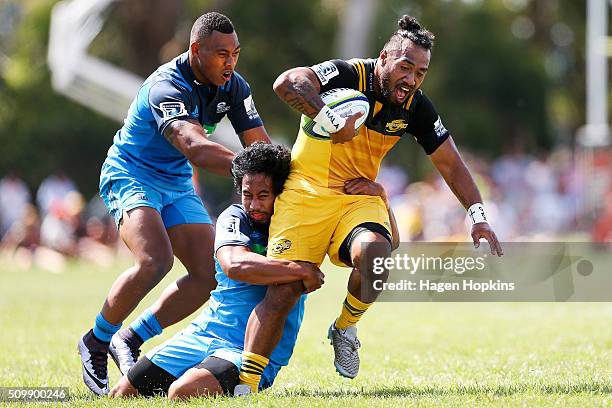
x=476, y=213
x=329, y=120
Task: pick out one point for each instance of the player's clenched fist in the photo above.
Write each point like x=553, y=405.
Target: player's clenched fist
x=314, y=277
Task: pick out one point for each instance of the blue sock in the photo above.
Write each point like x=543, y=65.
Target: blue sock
x=103, y=330
x=146, y=326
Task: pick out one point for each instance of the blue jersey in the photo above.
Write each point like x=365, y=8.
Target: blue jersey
x=172, y=93
x=232, y=302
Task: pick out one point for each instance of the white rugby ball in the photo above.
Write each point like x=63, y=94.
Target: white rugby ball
x=344, y=102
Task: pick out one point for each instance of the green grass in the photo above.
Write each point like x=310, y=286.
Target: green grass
x=413, y=354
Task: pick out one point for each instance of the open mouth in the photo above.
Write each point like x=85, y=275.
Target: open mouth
x=227, y=75
x=402, y=92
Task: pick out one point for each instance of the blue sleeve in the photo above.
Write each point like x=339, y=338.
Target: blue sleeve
x=233, y=228
x=243, y=114
x=168, y=102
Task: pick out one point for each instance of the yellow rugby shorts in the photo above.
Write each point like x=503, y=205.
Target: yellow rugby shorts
x=305, y=226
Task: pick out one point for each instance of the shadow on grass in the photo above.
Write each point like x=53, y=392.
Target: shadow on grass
x=501, y=390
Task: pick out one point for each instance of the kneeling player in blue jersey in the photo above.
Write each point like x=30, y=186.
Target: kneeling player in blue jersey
x=204, y=358
x=147, y=187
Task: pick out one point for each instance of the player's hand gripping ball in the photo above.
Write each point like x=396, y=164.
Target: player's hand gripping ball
x=343, y=101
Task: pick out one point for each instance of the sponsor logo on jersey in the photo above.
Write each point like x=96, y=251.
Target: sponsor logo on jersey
x=222, y=107
x=231, y=228
x=196, y=112
x=279, y=246
x=439, y=128
x=172, y=109
x=326, y=71
x=396, y=125
x=249, y=106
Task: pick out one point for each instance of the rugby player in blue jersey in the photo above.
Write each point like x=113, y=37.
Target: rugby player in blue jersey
x=146, y=185
x=204, y=358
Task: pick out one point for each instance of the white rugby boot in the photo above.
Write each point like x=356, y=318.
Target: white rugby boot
x=346, y=346
x=124, y=351
x=94, y=363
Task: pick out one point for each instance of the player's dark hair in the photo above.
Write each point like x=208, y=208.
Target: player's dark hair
x=270, y=159
x=410, y=28
x=209, y=22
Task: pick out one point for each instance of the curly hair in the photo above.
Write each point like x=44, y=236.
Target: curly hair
x=270, y=159
x=209, y=22
x=410, y=28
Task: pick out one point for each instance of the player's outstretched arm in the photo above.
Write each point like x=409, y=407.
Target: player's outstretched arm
x=239, y=263
x=451, y=166
x=299, y=88
x=189, y=138
x=369, y=187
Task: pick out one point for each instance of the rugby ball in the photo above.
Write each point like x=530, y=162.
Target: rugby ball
x=343, y=101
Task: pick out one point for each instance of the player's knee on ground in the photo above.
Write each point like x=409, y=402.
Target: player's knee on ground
x=281, y=298
x=213, y=376
x=149, y=379
x=124, y=388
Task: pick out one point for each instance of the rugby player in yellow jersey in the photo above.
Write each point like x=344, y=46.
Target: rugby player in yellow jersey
x=318, y=212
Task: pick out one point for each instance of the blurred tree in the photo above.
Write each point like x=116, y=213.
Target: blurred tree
x=41, y=131
x=501, y=71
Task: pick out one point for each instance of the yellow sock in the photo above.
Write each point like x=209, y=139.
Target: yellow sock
x=252, y=367
x=352, y=310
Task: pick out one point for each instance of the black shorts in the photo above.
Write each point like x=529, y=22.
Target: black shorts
x=151, y=380
x=345, y=249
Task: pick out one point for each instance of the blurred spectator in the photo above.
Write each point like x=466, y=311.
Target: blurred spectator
x=394, y=179
x=14, y=200
x=525, y=197
x=61, y=225
x=24, y=232
x=602, y=228
x=52, y=190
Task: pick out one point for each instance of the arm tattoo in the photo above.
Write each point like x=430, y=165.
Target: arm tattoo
x=303, y=97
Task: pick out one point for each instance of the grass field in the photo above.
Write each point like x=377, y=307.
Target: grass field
x=413, y=354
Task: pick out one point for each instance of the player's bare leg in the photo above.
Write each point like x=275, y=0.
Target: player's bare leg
x=193, y=245
x=143, y=232
x=366, y=247
x=265, y=329
x=361, y=294
x=194, y=383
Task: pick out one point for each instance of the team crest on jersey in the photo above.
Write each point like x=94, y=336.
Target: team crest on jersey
x=279, y=246
x=222, y=107
x=439, y=128
x=249, y=106
x=172, y=109
x=326, y=71
x=396, y=125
